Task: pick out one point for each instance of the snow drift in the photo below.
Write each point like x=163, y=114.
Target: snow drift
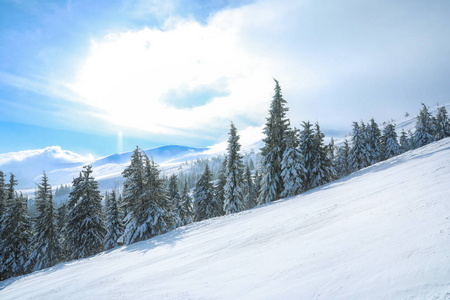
x=381, y=233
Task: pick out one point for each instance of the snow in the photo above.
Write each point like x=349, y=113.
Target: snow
x=381, y=233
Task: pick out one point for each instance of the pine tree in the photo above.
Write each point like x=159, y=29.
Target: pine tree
x=343, y=167
x=373, y=143
x=186, y=213
x=46, y=247
x=175, y=199
x=404, y=142
x=133, y=189
x=114, y=226
x=204, y=204
x=323, y=171
x=292, y=168
x=307, y=153
x=442, y=124
x=249, y=190
x=424, y=133
x=220, y=187
x=274, y=147
x=2, y=198
x=61, y=223
x=257, y=185
x=391, y=147
x=233, y=188
x=358, y=150
x=85, y=225
x=15, y=234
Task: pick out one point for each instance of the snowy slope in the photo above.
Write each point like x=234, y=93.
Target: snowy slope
x=381, y=233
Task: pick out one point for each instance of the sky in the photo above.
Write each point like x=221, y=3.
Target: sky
x=100, y=77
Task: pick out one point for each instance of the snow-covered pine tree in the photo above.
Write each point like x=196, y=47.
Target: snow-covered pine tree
x=331, y=150
x=442, y=124
x=15, y=234
x=358, y=150
x=373, y=143
x=234, y=198
x=404, y=142
x=291, y=166
x=274, y=145
x=343, y=167
x=175, y=199
x=257, y=185
x=133, y=190
x=2, y=197
x=186, y=212
x=249, y=190
x=156, y=215
x=424, y=133
x=220, y=187
x=365, y=144
x=306, y=147
x=204, y=204
x=323, y=171
x=391, y=147
x=114, y=226
x=85, y=225
x=61, y=222
x=45, y=244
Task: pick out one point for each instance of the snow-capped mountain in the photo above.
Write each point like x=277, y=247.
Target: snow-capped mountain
x=62, y=166
x=380, y=233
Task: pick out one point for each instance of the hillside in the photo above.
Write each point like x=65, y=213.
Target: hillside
x=381, y=233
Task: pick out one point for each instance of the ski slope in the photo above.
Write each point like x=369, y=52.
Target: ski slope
x=381, y=233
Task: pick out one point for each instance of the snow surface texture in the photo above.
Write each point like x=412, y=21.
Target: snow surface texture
x=381, y=233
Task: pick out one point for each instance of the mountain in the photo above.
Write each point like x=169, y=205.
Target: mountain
x=380, y=233
x=62, y=166
x=27, y=165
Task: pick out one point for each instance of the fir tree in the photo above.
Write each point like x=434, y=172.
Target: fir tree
x=61, y=223
x=204, y=205
x=424, y=133
x=150, y=214
x=373, y=143
x=274, y=147
x=46, y=247
x=442, y=124
x=133, y=189
x=391, y=147
x=404, y=142
x=257, y=185
x=186, y=212
x=114, y=226
x=306, y=147
x=343, y=167
x=2, y=198
x=175, y=199
x=15, y=234
x=85, y=225
x=358, y=150
x=331, y=149
x=233, y=188
x=292, y=168
x=249, y=190
x=220, y=187
x=323, y=171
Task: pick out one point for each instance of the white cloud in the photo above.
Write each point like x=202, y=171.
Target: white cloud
x=129, y=74
x=336, y=63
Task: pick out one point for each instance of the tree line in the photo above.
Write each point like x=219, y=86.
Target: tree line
x=293, y=161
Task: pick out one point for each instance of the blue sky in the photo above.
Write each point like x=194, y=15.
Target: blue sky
x=81, y=73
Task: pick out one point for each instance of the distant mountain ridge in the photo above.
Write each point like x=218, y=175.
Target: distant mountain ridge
x=62, y=165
